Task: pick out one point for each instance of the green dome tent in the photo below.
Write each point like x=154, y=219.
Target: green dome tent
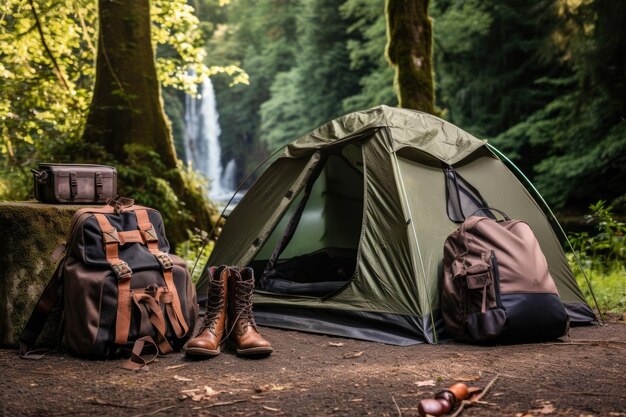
x=345, y=231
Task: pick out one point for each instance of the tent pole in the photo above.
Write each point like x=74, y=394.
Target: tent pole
x=411, y=222
x=546, y=207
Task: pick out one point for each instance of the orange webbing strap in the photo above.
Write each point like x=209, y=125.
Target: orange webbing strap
x=138, y=359
x=123, y=272
x=152, y=241
x=131, y=236
x=150, y=236
x=167, y=299
x=151, y=311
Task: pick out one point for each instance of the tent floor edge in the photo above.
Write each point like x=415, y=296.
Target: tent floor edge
x=580, y=314
x=388, y=328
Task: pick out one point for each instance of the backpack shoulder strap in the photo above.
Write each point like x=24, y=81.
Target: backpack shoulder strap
x=37, y=320
x=111, y=240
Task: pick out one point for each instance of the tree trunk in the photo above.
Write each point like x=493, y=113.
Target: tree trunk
x=409, y=50
x=126, y=106
x=127, y=109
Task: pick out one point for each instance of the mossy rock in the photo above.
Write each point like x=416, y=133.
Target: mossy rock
x=30, y=234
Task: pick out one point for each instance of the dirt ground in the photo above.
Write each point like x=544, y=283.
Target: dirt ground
x=313, y=375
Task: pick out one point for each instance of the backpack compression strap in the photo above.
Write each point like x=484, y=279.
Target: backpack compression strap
x=152, y=242
x=112, y=241
x=151, y=313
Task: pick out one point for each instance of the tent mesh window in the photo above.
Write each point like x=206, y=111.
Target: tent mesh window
x=462, y=199
x=313, y=250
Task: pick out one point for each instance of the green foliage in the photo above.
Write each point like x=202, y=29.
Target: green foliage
x=545, y=81
x=283, y=115
x=589, y=38
x=138, y=179
x=606, y=249
x=609, y=289
x=574, y=145
x=603, y=256
x=312, y=91
x=367, y=55
x=581, y=141
x=196, y=252
x=487, y=60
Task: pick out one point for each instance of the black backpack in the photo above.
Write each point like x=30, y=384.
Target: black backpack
x=118, y=287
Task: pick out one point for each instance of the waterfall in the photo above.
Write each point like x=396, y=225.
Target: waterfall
x=202, y=147
x=229, y=177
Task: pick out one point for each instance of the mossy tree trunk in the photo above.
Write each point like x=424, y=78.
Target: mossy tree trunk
x=127, y=119
x=409, y=50
x=127, y=106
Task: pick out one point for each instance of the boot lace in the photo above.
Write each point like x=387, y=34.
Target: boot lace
x=214, y=305
x=243, y=303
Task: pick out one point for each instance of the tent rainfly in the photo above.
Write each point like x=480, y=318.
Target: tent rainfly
x=345, y=230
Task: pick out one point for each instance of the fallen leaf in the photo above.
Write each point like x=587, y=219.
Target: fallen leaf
x=353, y=355
x=198, y=394
x=275, y=410
x=337, y=344
x=182, y=378
x=271, y=387
x=429, y=383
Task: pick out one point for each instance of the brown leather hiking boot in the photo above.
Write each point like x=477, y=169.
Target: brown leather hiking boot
x=243, y=333
x=209, y=340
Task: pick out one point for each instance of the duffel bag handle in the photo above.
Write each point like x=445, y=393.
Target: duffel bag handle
x=40, y=176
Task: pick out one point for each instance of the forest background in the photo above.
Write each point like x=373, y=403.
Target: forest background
x=543, y=80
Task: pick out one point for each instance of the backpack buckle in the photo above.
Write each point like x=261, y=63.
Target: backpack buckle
x=165, y=260
x=150, y=234
x=111, y=236
x=122, y=270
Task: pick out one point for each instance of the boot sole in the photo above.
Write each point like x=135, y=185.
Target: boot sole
x=202, y=352
x=256, y=351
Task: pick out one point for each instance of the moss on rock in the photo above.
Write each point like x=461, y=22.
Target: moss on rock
x=30, y=234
